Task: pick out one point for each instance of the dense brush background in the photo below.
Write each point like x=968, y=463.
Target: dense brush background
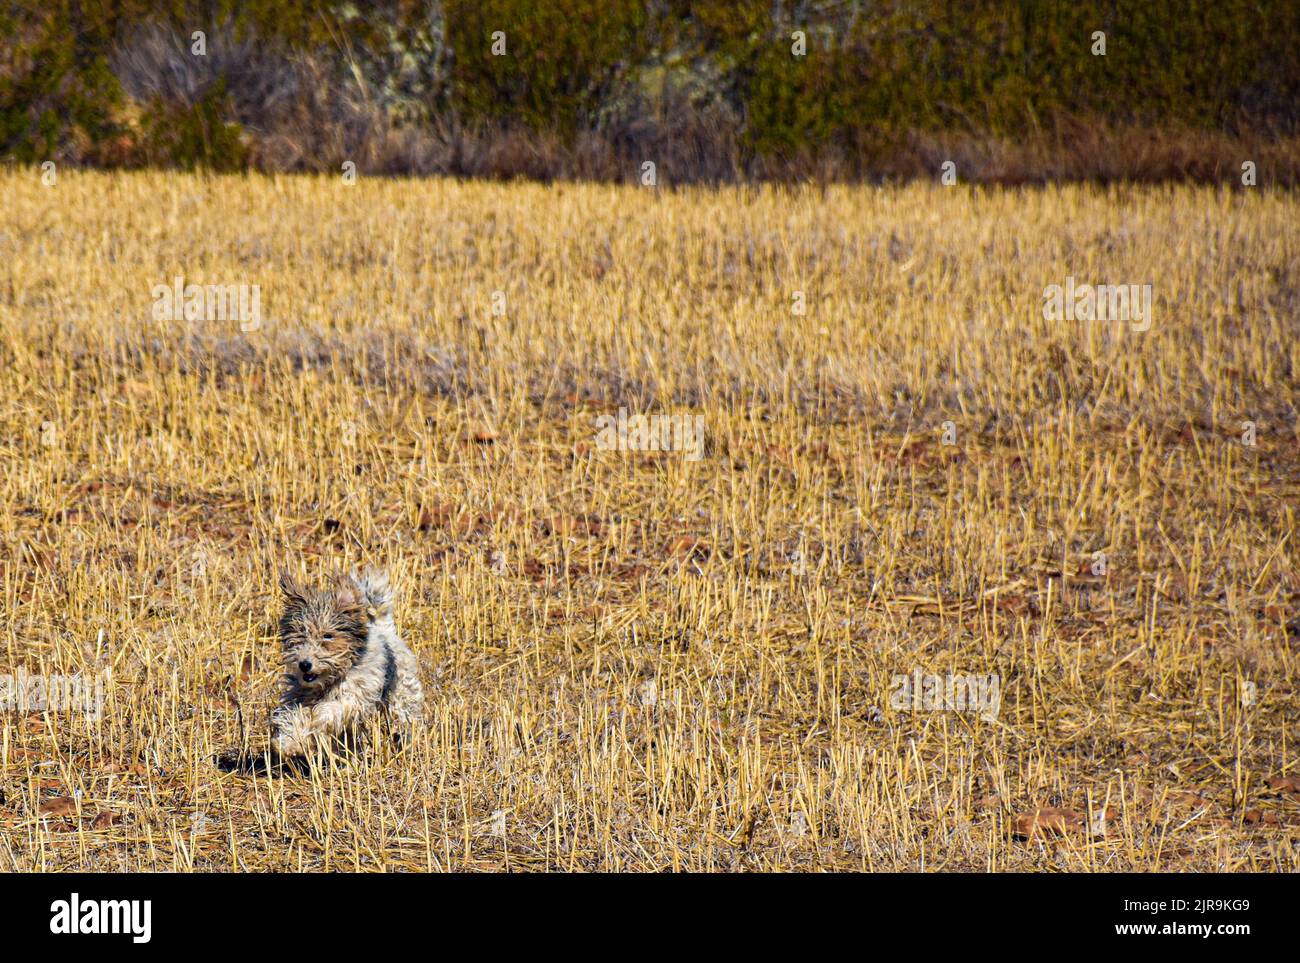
x=707, y=90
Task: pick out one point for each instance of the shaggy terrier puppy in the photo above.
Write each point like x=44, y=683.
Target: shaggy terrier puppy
x=345, y=665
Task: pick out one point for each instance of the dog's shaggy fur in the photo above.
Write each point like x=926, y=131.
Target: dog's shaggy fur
x=345, y=665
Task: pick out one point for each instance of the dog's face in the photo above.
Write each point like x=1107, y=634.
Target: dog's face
x=321, y=633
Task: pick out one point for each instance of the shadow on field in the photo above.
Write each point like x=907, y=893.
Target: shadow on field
x=261, y=764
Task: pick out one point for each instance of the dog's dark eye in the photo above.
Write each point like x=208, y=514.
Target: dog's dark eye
x=329, y=636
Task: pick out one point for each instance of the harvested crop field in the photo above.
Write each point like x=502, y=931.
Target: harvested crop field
x=925, y=580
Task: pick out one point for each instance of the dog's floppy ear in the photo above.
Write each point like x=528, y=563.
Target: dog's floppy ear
x=349, y=600
x=294, y=593
x=346, y=593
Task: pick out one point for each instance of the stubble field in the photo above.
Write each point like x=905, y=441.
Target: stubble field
x=640, y=660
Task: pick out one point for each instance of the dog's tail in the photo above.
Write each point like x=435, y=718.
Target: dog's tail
x=376, y=592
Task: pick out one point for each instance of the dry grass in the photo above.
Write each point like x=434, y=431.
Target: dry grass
x=635, y=661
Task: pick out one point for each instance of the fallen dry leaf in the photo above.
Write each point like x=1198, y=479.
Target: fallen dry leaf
x=450, y=518
x=1288, y=785
x=1015, y=604
x=58, y=806
x=690, y=546
x=588, y=525
x=1257, y=817
x=105, y=819
x=1047, y=821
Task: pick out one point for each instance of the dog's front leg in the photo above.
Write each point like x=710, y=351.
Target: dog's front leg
x=294, y=731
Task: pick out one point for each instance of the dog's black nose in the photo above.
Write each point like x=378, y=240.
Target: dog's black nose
x=305, y=665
